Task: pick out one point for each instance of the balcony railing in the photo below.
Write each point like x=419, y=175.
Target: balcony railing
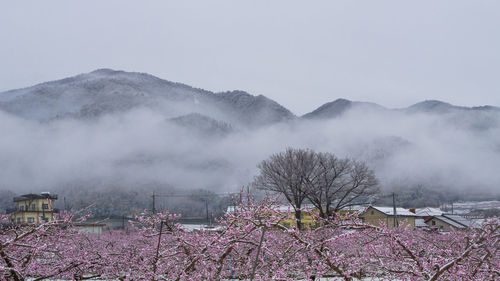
x=37, y=210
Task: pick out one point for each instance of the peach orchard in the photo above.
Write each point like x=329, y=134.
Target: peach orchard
x=251, y=244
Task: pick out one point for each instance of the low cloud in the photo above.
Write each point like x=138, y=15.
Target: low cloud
x=142, y=146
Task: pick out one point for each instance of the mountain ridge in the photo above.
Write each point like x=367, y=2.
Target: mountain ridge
x=102, y=91
x=105, y=90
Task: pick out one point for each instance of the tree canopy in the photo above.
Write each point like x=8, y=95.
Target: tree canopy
x=326, y=181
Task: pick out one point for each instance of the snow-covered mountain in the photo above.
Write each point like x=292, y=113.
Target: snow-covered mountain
x=105, y=91
x=473, y=118
x=340, y=106
x=439, y=107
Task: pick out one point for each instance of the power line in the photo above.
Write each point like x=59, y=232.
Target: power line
x=195, y=195
x=205, y=196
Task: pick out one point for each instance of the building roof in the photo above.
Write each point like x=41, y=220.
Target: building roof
x=281, y=208
x=390, y=211
x=458, y=221
x=449, y=221
x=359, y=208
x=477, y=223
x=32, y=196
x=428, y=212
x=461, y=220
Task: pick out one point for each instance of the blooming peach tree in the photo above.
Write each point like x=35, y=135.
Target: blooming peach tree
x=250, y=243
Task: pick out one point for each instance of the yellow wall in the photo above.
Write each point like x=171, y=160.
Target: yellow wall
x=25, y=216
x=307, y=219
x=375, y=217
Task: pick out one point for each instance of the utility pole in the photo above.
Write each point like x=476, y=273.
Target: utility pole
x=153, y=209
x=394, y=209
x=452, y=207
x=206, y=207
x=242, y=193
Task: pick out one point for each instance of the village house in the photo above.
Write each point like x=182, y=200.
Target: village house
x=424, y=214
x=445, y=222
x=428, y=218
x=378, y=216
x=436, y=219
x=308, y=211
x=34, y=208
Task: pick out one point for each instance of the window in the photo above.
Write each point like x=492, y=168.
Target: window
x=45, y=206
x=433, y=222
x=33, y=206
x=372, y=212
x=21, y=207
x=31, y=220
x=19, y=219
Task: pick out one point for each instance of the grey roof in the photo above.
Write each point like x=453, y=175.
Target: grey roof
x=390, y=211
x=463, y=221
x=33, y=196
x=281, y=208
x=424, y=212
x=449, y=221
x=359, y=208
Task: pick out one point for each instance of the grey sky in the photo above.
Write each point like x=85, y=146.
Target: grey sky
x=302, y=54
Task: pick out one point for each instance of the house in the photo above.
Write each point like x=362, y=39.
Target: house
x=308, y=212
x=424, y=214
x=385, y=215
x=446, y=222
x=34, y=208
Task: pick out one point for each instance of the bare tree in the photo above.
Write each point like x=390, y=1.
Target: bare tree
x=359, y=186
x=288, y=173
x=328, y=182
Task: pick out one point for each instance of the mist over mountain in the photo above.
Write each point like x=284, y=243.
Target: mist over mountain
x=202, y=125
x=116, y=130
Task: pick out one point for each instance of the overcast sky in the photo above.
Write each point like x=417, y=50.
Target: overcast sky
x=299, y=53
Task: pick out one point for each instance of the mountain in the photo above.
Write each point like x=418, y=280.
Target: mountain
x=254, y=109
x=106, y=91
x=479, y=118
x=433, y=106
x=202, y=125
x=338, y=107
x=439, y=107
